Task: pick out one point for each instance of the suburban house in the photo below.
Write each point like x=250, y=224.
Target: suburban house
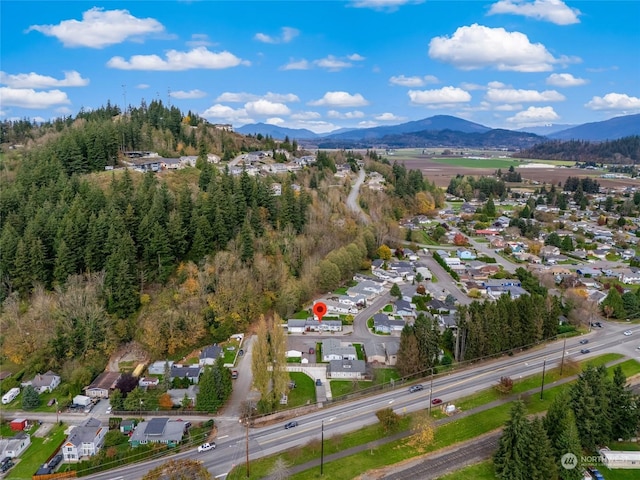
x=375, y=352
x=103, y=385
x=191, y=372
x=44, y=382
x=404, y=309
x=178, y=395
x=340, y=308
x=505, y=282
x=333, y=349
x=382, y=324
x=629, y=275
x=367, y=288
x=513, y=291
x=158, y=368
x=464, y=254
x=620, y=459
x=158, y=430
x=209, y=355
x=84, y=440
x=549, y=251
x=12, y=447
x=425, y=272
x=353, y=301
x=351, y=369
x=313, y=325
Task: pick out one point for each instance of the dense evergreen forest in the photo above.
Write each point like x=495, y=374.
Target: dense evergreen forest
x=92, y=259
x=622, y=151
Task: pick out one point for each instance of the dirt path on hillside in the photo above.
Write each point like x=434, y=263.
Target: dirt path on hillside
x=130, y=352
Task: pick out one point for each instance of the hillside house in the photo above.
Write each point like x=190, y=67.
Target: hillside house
x=43, y=382
x=84, y=440
x=158, y=430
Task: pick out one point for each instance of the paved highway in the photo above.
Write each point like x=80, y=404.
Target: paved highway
x=346, y=417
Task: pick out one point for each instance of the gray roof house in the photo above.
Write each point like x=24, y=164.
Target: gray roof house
x=346, y=369
x=313, y=325
x=46, y=382
x=12, y=447
x=158, y=430
x=157, y=368
x=84, y=440
x=382, y=324
x=191, y=372
x=333, y=349
x=210, y=355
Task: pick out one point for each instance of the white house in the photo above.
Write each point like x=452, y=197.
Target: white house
x=333, y=349
x=352, y=369
x=12, y=447
x=44, y=382
x=84, y=440
x=629, y=276
x=620, y=459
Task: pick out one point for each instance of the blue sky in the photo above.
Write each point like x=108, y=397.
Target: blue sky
x=324, y=65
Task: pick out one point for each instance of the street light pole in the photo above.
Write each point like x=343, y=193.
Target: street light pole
x=544, y=364
x=322, y=448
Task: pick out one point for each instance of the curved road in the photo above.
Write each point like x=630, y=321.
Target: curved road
x=352, y=199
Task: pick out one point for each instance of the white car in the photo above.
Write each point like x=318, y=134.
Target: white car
x=108, y=412
x=205, y=447
x=627, y=333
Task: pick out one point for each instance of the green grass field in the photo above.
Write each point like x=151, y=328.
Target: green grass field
x=40, y=450
x=503, y=163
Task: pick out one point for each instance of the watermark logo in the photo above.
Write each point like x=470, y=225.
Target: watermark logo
x=569, y=461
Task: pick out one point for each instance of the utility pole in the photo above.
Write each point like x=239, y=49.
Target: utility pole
x=544, y=364
x=564, y=345
x=247, y=445
x=430, y=391
x=322, y=448
x=124, y=95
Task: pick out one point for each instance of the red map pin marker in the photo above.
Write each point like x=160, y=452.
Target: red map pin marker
x=320, y=309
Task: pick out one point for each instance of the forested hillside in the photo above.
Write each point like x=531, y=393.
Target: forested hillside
x=174, y=260
x=623, y=151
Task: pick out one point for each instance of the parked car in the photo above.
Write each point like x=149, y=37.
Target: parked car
x=318, y=382
x=289, y=425
x=627, y=333
x=585, y=350
x=205, y=447
x=6, y=464
x=241, y=352
x=108, y=412
x=436, y=401
x=416, y=388
x=584, y=342
x=312, y=351
x=595, y=473
x=55, y=461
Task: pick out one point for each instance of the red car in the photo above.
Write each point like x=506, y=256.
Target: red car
x=436, y=401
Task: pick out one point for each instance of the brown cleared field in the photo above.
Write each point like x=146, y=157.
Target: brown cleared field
x=441, y=173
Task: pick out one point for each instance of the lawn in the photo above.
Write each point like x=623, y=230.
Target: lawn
x=304, y=392
x=40, y=450
x=478, y=163
x=479, y=471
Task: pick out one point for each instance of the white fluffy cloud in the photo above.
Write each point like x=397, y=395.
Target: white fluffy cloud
x=565, y=80
x=345, y=115
x=389, y=117
x=354, y=57
x=534, y=116
x=614, y=101
x=30, y=98
x=286, y=35
x=296, y=65
x=264, y=107
x=99, y=28
x=181, y=94
x=227, y=114
x=175, y=60
x=332, y=63
x=200, y=40
x=477, y=46
x=554, y=11
x=442, y=96
x=510, y=95
x=340, y=100
x=412, y=82
x=274, y=121
x=35, y=80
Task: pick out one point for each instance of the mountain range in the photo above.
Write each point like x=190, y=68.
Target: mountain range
x=448, y=130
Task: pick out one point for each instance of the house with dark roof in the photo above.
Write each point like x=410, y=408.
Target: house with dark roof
x=158, y=430
x=383, y=324
x=192, y=372
x=103, y=385
x=351, y=369
x=209, y=355
x=84, y=440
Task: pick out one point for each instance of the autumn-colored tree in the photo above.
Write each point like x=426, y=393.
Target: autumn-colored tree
x=423, y=430
x=165, y=401
x=460, y=240
x=389, y=419
x=424, y=203
x=384, y=252
x=184, y=469
x=505, y=385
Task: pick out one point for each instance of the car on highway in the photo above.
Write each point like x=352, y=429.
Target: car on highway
x=289, y=425
x=584, y=342
x=436, y=401
x=585, y=350
x=627, y=333
x=205, y=447
x=416, y=388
